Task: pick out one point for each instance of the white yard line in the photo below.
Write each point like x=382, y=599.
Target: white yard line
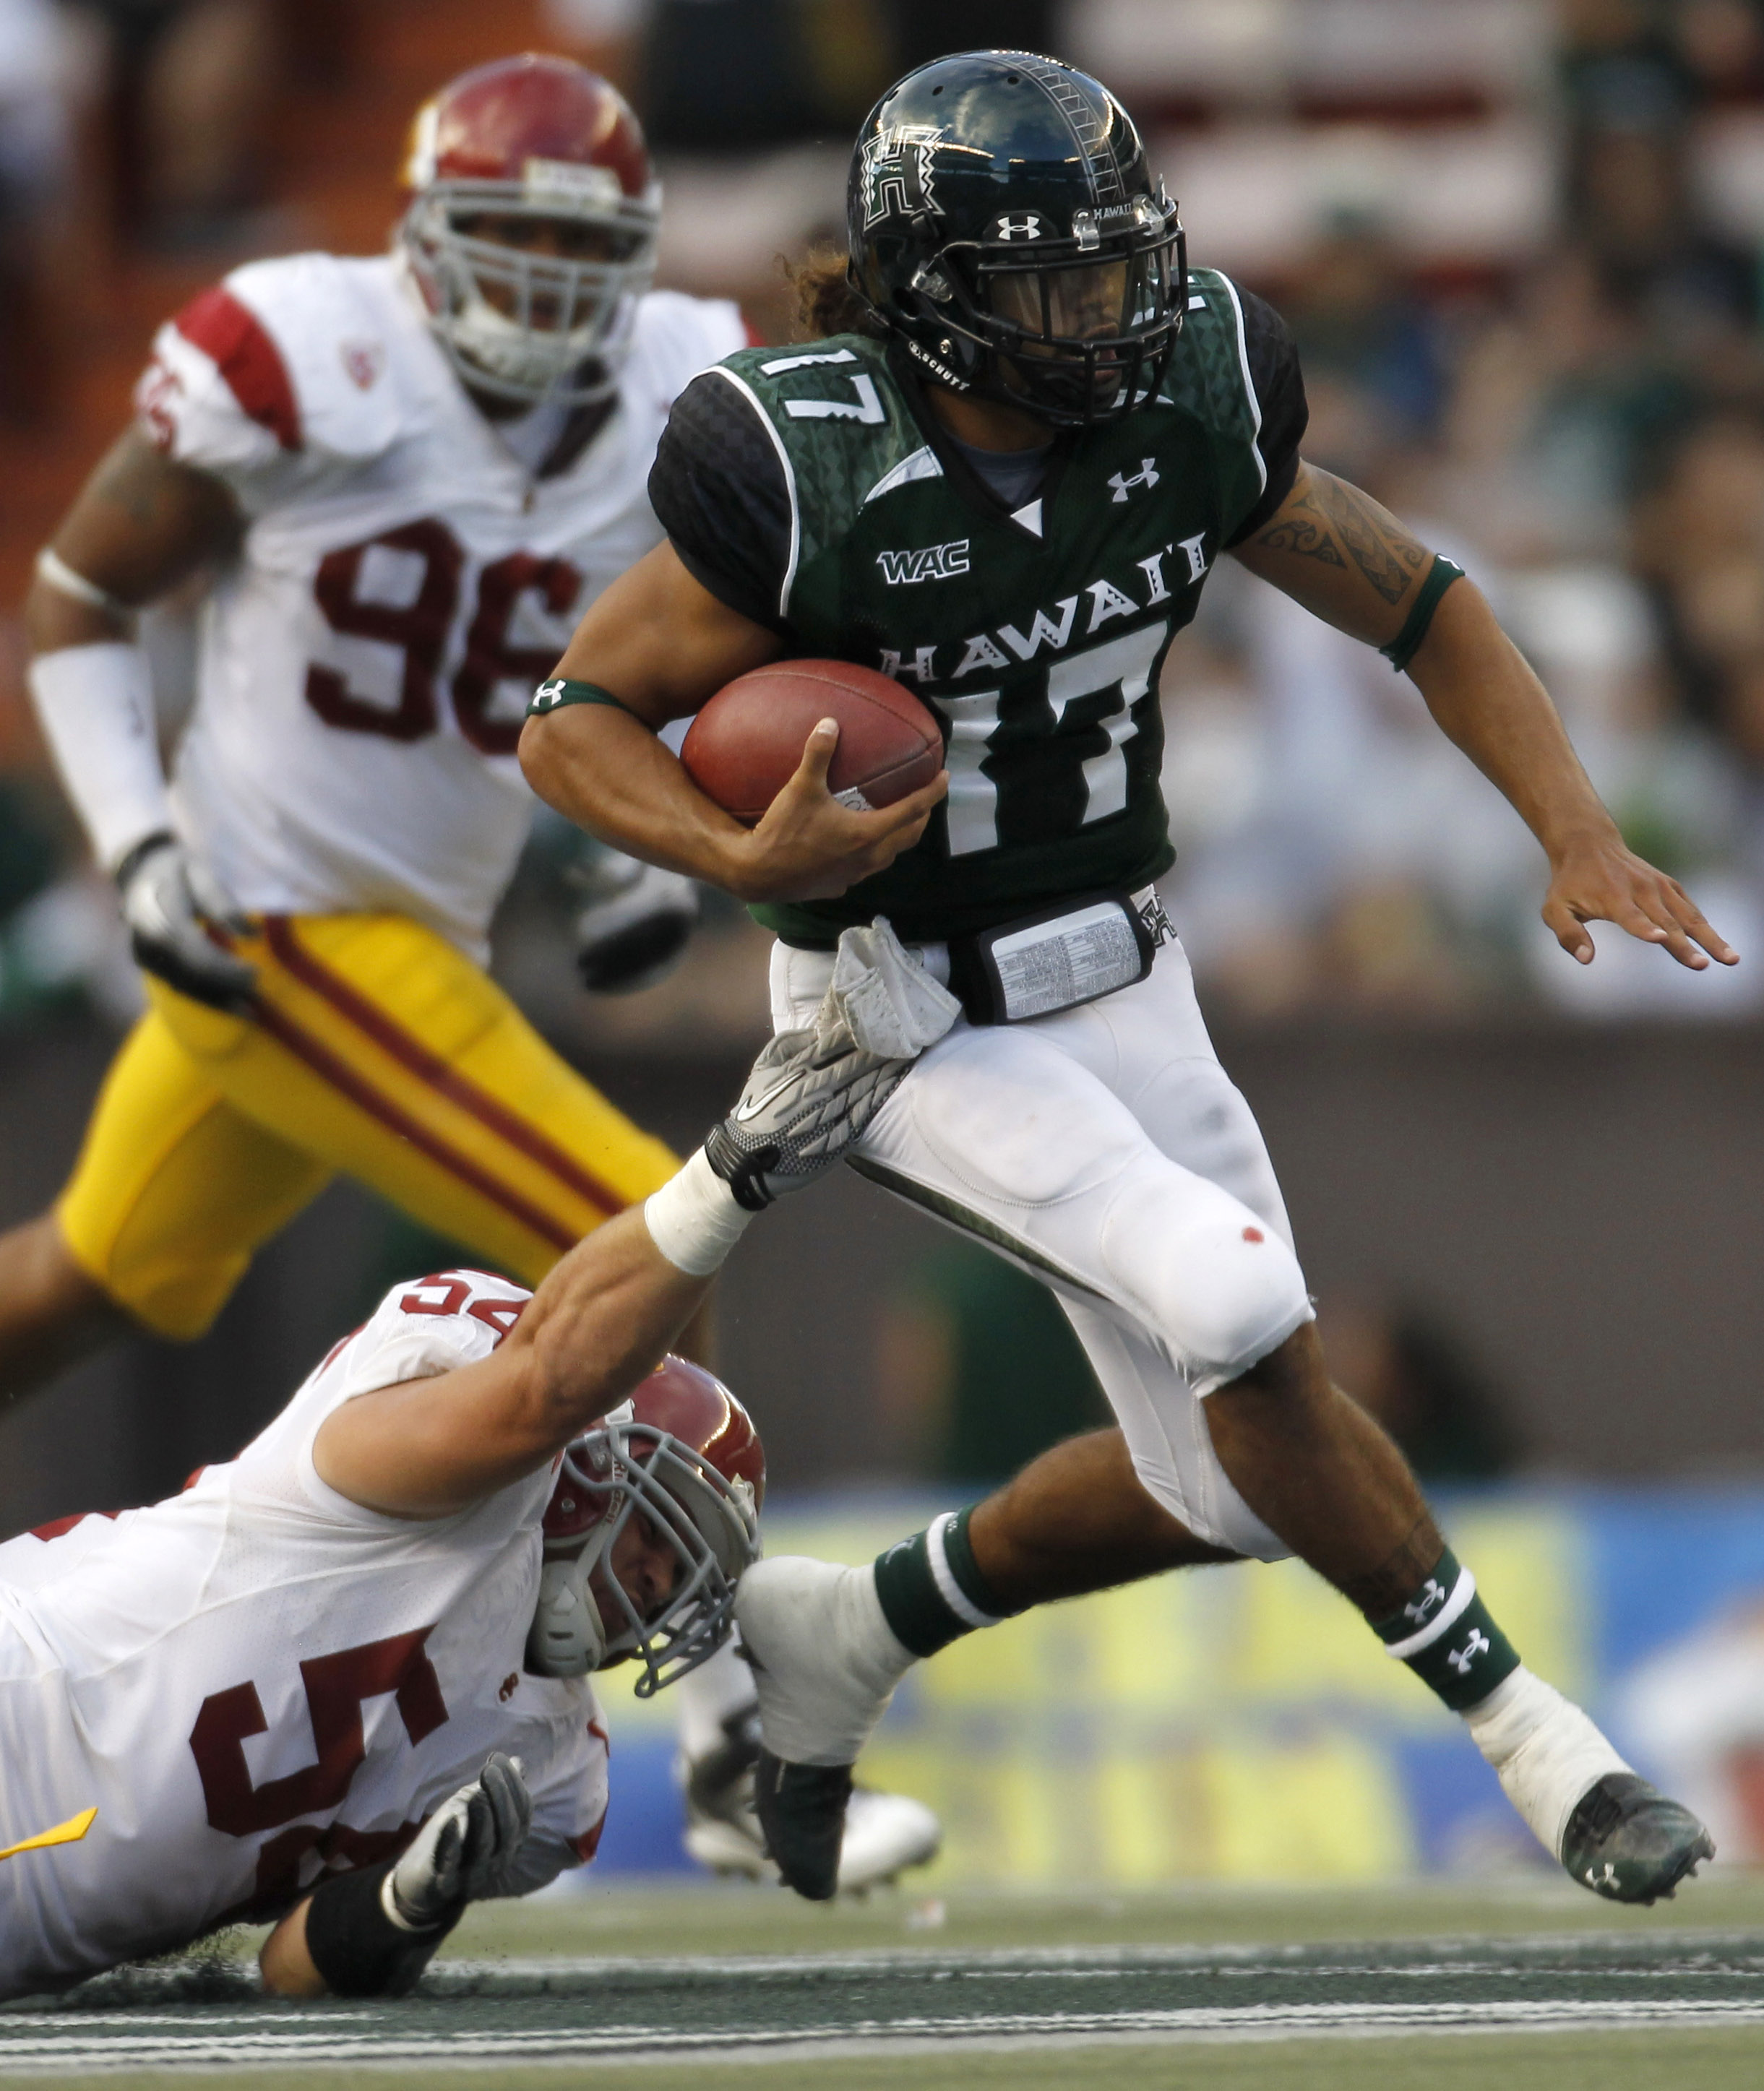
x=74, y=2048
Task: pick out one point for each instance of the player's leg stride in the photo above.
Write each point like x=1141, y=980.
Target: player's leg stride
x=1005, y=305
x=829, y=1643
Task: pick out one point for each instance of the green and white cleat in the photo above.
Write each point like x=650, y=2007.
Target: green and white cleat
x=1627, y=1842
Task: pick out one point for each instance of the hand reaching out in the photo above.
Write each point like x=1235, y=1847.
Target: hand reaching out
x=1601, y=881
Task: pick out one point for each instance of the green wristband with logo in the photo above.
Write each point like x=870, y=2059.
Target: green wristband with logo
x=563, y=690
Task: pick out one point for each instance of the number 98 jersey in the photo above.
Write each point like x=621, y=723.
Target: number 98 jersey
x=403, y=580
x=257, y=1681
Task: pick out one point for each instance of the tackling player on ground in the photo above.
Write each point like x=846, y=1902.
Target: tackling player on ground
x=341, y=1681
x=408, y=474
x=1004, y=476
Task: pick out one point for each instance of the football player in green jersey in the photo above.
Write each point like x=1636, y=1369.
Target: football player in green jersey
x=1002, y=476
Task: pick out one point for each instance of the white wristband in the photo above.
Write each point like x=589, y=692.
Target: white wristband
x=95, y=704
x=693, y=1219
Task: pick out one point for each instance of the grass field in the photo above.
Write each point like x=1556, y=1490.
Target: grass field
x=1527, y=1987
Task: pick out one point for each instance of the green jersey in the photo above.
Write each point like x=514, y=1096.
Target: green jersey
x=814, y=490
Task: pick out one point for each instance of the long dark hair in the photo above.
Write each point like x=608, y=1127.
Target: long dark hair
x=825, y=303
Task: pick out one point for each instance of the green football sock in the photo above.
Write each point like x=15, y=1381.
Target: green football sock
x=931, y=1588
x=1448, y=1637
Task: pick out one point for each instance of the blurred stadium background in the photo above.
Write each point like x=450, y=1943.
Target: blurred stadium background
x=1523, y=248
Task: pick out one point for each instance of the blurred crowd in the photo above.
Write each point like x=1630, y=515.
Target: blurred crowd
x=1574, y=409
x=1585, y=434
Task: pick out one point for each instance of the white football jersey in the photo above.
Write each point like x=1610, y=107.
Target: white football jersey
x=258, y=1681
x=403, y=582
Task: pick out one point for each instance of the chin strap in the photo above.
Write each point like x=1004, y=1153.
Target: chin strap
x=567, y=1637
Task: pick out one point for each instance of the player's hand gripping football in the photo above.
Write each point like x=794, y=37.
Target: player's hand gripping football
x=467, y=1850
x=809, y=846
x=1598, y=879
x=168, y=903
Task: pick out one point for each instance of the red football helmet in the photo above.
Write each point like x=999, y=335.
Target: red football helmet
x=535, y=139
x=682, y=1455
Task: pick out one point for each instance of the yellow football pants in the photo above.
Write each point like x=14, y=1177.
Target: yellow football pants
x=375, y=1049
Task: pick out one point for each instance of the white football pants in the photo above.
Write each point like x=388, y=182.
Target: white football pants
x=1104, y=1151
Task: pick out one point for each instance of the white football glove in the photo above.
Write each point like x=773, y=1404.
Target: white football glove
x=467, y=1849
x=809, y=1098
x=168, y=901
x=637, y=924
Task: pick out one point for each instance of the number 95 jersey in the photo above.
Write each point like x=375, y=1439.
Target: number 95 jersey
x=403, y=580
x=257, y=1681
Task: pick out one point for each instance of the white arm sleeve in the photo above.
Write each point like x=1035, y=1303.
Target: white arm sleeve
x=95, y=704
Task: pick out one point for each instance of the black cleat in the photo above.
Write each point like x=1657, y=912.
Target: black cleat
x=1626, y=1841
x=801, y=1809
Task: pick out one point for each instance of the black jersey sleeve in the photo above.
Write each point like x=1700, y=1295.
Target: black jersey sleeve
x=718, y=489
x=1273, y=371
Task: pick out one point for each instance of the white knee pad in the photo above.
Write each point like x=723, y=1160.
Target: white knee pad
x=1215, y=1282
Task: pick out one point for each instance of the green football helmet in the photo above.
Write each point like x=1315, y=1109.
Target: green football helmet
x=1005, y=229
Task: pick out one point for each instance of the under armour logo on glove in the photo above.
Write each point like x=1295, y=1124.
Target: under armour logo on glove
x=1148, y=475
x=1461, y=1658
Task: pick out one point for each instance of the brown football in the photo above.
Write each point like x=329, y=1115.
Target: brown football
x=746, y=743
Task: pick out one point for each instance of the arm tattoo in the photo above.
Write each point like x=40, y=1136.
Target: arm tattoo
x=1330, y=515
x=1381, y=548
x=1301, y=528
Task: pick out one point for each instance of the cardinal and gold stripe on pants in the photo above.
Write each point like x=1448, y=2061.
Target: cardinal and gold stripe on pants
x=375, y=1049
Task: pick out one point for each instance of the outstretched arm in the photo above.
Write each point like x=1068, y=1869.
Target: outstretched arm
x=599, y=1321
x=1350, y=563
x=606, y=1314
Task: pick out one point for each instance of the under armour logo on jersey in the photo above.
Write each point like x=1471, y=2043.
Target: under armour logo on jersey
x=1461, y=1658
x=1148, y=475
x=1020, y=225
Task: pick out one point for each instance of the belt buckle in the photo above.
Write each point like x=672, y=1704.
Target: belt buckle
x=1149, y=905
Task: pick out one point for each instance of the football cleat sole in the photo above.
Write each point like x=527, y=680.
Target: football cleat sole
x=1626, y=1841
x=801, y=1809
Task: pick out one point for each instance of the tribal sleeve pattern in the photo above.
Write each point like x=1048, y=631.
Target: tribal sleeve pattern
x=1336, y=524
x=718, y=489
x=1273, y=357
